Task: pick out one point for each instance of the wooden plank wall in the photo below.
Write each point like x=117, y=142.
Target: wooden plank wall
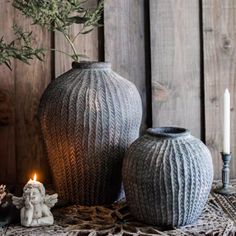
x=20, y=90
x=175, y=57
x=7, y=105
x=30, y=82
x=125, y=43
x=88, y=45
x=219, y=31
x=180, y=54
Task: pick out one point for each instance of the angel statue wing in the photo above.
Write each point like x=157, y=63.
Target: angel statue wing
x=51, y=200
x=18, y=202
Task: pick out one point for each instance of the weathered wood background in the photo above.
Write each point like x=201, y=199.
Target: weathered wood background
x=181, y=54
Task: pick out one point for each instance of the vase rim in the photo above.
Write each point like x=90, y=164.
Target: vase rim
x=91, y=65
x=168, y=132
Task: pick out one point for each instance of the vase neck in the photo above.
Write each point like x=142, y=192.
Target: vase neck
x=91, y=65
x=168, y=132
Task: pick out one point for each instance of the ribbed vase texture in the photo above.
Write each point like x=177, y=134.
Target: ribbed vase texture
x=167, y=176
x=89, y=116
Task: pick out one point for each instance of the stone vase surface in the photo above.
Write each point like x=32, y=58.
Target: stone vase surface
x=89, y=116
x=167, y=176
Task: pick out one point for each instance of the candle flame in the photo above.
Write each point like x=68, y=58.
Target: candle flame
x=35, y=177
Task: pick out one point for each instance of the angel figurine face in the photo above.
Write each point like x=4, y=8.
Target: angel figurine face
x=35, y=193
x=35, y=205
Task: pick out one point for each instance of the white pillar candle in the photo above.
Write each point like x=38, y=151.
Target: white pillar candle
x=226, y=143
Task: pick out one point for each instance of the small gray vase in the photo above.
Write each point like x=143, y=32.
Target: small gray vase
x=167, y=176
x=89, y=117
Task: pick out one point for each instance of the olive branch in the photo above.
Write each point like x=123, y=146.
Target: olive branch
x=59, y=15
x=19, y=48
x=54, y=15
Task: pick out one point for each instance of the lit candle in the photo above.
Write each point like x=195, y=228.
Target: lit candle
x=34, y=180
x=35, y=177
x=226, y=143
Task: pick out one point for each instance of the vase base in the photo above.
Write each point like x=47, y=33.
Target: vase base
x=225, y=190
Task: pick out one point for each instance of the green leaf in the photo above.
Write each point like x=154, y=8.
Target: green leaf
x=8, y=64
x=87, y=31
x=78, y=19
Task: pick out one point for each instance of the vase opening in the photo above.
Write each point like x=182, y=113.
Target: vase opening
x=168, y=132
x=91, y=65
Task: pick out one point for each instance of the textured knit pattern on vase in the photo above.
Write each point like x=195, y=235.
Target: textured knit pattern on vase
x=167, y=176
x=89, y=116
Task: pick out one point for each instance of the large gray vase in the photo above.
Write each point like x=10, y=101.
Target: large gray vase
x=89, y=116
x=167, y=176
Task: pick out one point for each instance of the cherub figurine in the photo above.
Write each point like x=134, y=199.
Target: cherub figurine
x=35, y=205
